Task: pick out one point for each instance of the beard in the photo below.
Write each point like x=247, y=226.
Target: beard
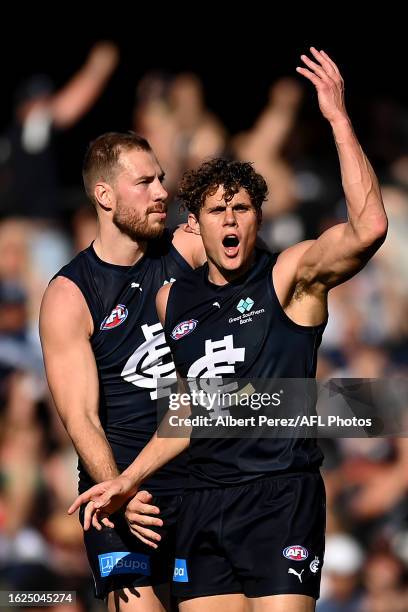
x=139, y=227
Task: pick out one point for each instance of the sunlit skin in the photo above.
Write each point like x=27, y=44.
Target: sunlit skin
x=302, y=276
x=236, y=219
x=139, y=195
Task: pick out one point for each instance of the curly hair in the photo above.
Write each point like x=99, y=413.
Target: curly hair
x=197, y=184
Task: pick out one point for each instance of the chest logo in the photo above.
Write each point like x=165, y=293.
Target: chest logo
x=150, y=361
x=183, y=329
x=117, y=317
x=219, y=359
x=245, y=305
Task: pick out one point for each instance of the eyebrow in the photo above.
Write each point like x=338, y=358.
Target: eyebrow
x=220, y=205
x=151, y=177
x=223, y=205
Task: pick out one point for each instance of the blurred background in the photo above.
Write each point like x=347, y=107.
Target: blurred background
x=229, y=89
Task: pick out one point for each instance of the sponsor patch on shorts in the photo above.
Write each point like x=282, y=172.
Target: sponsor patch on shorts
x=180, y=571
x=114, y=563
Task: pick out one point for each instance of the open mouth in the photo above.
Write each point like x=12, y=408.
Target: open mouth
x=231, y=245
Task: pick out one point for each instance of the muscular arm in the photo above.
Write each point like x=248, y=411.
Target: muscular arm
x=65, y=328
x=304, y=273
x=110, y=496
x=344, y=249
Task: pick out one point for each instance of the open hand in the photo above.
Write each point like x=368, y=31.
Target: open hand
x=326, y=77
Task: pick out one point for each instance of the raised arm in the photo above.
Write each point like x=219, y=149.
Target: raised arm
x=83, y=89
x=65, y=329
x=341, y=251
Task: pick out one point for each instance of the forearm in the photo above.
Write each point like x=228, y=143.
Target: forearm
x=83, y=89
x=91, y=77
x=363, y=196
x=93, y=449
x=155, y=454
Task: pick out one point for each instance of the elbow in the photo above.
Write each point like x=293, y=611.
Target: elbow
x=380, y=230
x=77, y=426
x=375, y=233
x=381, y=227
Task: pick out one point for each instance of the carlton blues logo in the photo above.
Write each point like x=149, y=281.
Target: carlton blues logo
x=117, y=317
x=184, y=328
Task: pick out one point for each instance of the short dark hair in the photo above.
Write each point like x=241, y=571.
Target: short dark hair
x=197, y=184
x=102, y=157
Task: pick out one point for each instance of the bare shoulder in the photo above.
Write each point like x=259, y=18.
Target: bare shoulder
x=286, y=270
x=161, y=301
x=64, y=309
x=189, y=245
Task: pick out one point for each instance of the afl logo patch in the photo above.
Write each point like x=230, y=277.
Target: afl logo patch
x=117, y=317
x=296, y=553
x=183, y=329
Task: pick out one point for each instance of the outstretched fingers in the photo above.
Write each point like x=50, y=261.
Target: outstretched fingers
x=309, y=75
x=330, y=61
x=318, y=69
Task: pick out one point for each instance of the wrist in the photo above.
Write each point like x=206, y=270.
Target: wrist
x=341, y=122
x=342, y=130
x=130, y=483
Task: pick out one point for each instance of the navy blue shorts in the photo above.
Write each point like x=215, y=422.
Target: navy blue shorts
x=264, y=538
x=120, y=560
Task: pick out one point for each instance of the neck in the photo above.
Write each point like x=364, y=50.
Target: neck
x=116, y=248
x=220, y=276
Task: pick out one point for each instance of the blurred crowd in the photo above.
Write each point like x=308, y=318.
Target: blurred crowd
x=43, y=223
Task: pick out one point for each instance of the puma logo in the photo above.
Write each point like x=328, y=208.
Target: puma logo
x=292, y=571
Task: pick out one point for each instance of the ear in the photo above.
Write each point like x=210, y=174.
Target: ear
x=104, y=196
x=194, y=224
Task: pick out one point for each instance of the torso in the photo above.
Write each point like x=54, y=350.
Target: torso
x=130, y=349
x=241, y=332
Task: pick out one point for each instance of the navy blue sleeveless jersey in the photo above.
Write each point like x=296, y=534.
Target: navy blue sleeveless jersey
x=130, y=350
x=240, y=331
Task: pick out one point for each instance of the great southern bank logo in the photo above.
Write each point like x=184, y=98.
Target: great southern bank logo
x=180, y=570
x=123, y=563
x=245, y=305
